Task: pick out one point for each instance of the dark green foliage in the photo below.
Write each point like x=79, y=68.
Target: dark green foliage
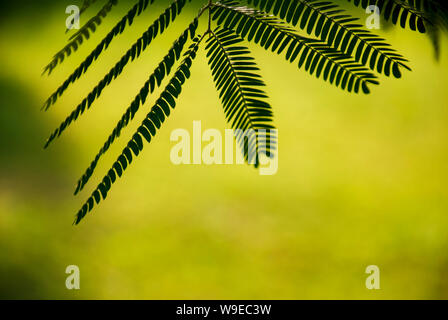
x=136, y=49
x=141, y=44
x=155, y=80
x=245, y=106
x=147, y=130
x=92, y=24
x=85, y=5
x=405, y=13
x=84, y=34
x=430, y=16
x=336, y=49
x=315, y=56
x=339, y=30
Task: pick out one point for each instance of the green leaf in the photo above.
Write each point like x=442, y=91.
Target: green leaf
x=153, y=31
x=83, y=34
x=243, y=100
x=332, y=25
x=136, y=143
x=246, y=21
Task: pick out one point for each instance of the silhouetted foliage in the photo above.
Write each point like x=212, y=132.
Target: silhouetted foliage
x=335, y=47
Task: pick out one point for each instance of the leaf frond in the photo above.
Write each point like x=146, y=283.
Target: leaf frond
x=147, y=130
x=339, y=30
x=399, y=12
x=77, y=39
x=241, y=92
x=93, y=23
x=85, y=5
x=96, y=92
x=154, y=81
x=316, y=57
x=142, y=43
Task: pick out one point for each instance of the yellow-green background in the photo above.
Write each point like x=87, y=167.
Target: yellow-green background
x=362, y=179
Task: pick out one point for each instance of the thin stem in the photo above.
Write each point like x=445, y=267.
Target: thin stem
x=204, y=8
x=209, y=15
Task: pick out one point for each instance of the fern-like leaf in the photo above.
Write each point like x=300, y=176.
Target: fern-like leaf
x=148, y=129
x=398, y=12
x=240, y=87
x=154, y=80
x=142, y=43
x=136, y=49
x=93, y=23
x=80, y=36
x=339, y=30
x=85, y=5
x=316, y=57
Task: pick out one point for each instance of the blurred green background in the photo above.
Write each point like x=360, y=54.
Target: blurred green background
x=362, y=180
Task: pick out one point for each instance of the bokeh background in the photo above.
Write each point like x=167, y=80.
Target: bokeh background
x=362, y=180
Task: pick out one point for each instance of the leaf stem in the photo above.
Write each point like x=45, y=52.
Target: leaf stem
x=207, y=7
x=209, y=15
